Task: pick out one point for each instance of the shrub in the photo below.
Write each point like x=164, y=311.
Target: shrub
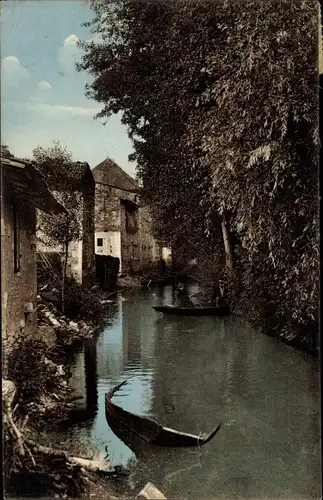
x=81, y=302
x=26, y=368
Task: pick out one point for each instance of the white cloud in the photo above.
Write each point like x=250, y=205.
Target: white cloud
x=12, y=70
x=59, y=110
x=71, y=40
x=43, y=85
x=69, y=54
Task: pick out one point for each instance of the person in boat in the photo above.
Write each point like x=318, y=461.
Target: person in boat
x=219, y=295
x=181, y=297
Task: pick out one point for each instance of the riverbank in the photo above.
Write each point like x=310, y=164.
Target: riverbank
x=38, y=369
x=303, y=343
x=232, y=374
x=50, y=375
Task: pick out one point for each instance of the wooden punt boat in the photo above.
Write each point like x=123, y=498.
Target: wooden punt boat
x=148, y=430
x=153, y=282
x=194, y=311
x=167, y=280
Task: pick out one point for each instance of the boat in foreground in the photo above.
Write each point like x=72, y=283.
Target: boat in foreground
x=194, y=311
x=148, y=430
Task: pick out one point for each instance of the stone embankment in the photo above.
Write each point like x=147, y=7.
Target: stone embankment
x=55, y=326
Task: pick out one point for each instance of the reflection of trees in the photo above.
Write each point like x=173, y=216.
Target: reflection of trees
x=91, y=378
x=112, y=316
x=86, y=376
x=179, y=376
x=86, y=414
x=138, y=333
x=218, y=369
x=211, y=369
x=110, y=345
x=131, y=334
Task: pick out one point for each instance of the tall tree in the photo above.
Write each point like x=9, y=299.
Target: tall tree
x=221, y=101
x=142, y=68
x=62, y=230
x=259, y=114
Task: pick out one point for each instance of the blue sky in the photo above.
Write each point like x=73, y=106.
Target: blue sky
x=42, y=95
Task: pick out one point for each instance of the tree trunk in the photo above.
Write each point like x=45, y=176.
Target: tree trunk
x=64, y=276
x=227, y=246
x=93, y=465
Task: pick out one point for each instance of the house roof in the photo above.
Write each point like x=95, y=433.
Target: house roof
x=29, y=185
x=109, y=173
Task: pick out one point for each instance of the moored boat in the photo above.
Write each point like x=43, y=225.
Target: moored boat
x=152, y=282
x=194, y=311
x=148, y=430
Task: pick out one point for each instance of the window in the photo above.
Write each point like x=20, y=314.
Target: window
x=99, y=242
x=16, y=239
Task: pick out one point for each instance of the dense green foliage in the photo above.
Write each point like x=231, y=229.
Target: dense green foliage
x=221, y=100
x=26, y=368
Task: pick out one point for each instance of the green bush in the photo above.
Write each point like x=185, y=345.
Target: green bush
x=81, y=302
x=26, y=368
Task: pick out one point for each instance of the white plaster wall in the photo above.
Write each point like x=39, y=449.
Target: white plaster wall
x=111, y=244
x=74, y=263
x=75, y=249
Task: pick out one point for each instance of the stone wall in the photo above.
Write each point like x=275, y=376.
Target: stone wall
x=117, y=225
x=107, y=209
x=107, y=222
x=19, y=289
x=125, y=229
x=130, y=237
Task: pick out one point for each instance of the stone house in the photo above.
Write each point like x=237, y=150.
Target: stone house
x=23, y=191
x=122, y=224
x=79, y=181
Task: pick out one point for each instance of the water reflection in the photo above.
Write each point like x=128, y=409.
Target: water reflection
x=91, y=378
x=190, y=373
x=84, y=381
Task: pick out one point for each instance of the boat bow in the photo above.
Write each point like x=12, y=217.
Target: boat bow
x=148, y=430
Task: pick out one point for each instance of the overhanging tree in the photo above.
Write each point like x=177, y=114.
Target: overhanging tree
x=259, y=114
x=221, y=101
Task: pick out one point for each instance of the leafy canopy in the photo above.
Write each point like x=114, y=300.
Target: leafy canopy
x=220, y=99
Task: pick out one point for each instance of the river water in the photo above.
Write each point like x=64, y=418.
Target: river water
x=190, y=374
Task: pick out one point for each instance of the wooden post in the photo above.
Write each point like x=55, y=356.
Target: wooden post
x=64, y=275
x=227, y=246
